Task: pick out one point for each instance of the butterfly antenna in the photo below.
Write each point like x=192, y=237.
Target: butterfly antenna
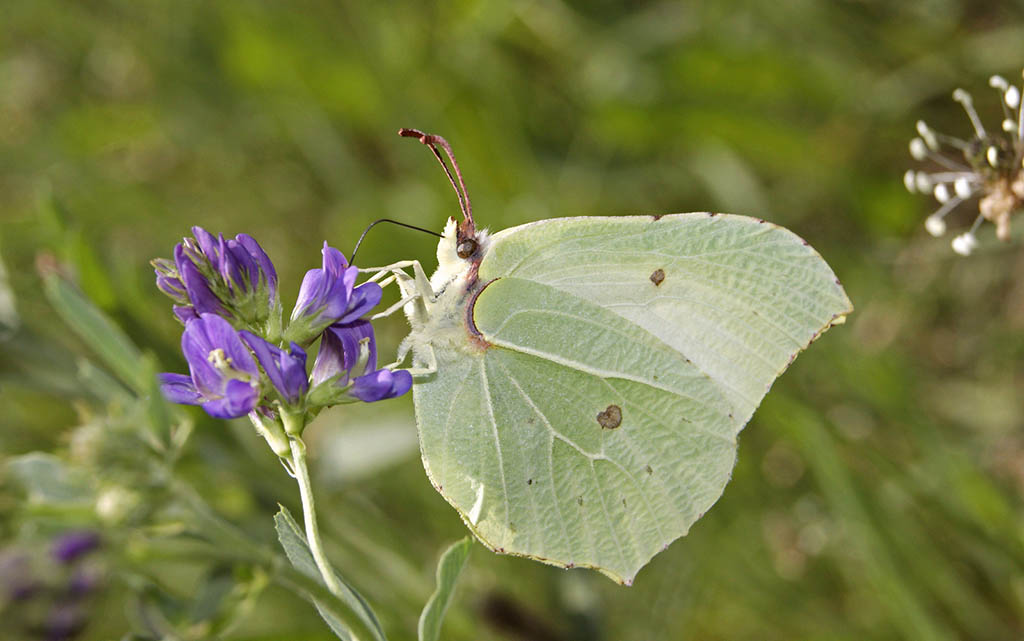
x=433, y=141
x=352, y=256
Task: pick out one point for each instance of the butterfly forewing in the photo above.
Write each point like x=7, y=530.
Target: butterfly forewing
x=738, y=296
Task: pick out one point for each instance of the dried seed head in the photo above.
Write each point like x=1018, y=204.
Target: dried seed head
x=988, y=166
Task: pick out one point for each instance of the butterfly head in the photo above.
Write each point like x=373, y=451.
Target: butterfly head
x=459, y=251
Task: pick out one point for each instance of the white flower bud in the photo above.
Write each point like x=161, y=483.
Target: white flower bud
x=965, y=243
x=962, y=186
x=910, y=181
x=1012, y=97
x=941, y=193
x=918, y=150
x=935, y=225
x=928, y=135
x=992, y=155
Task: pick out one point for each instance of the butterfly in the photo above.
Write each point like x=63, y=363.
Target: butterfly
x=580, y=382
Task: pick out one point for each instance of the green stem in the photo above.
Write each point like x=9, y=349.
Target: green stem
x=309, y=516
x=230, y=543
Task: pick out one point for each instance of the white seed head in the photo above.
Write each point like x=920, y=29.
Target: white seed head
x=910, y=181
x=924, y=182
x=998, y=82
x=935, y=225
x=918, y=150
x=941, y=193
x=992, y=155
x=965, y=243
x=1012, y=97
x=962, y=187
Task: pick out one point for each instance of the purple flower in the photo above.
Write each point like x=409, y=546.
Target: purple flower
x=73, y=545
x=224, y=377
x=340, y=352
x=328, y=295
x=217, y=275
x=286, y=370
x=203, y=300
x=381, y=384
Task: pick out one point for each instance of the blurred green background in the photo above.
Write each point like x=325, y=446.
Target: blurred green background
x=878, y=489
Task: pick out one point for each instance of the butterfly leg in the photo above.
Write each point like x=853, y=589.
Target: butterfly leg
x=423, y=287
x=428, y=355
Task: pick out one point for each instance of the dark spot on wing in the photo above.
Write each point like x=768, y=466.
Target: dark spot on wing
x=530, y=420
x=610, y=418
x=623, y=502
x=657, y=276
x=657, y=216
x=579, y=501
x=712, y=214
x=648, y=469
x=529, y=481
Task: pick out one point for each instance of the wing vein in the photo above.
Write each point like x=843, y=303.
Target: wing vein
x=497, y=444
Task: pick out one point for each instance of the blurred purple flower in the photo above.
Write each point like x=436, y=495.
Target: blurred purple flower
x=70, y=546
x=340, y=353
x=286, y=370
x=64, y=622
x=328, y=295
x=223, y=375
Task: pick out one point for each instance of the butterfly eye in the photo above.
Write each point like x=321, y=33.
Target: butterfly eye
x=466, y=248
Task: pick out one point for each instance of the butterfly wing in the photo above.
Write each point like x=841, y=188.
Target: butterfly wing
x=573, y=437
x=594, y=418
x=738, y=296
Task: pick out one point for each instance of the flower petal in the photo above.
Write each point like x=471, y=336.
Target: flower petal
x=178, y=388
x=287, y=371
x=261, y=258
x=208, y=244
x=239, y=399
x=185, y=313
x=334, y=261
x=199, y=292
x=363, y=299
x=380, y=385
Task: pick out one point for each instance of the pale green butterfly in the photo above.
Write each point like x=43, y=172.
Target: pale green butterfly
x=580, y=382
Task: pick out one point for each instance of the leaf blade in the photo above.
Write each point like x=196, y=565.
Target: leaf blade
x=449, y=567
x=293, y=541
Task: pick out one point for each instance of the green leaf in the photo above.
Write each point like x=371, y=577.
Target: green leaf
x=108, y=341
x=448, y=570
x=297, y=550
x=47, y=480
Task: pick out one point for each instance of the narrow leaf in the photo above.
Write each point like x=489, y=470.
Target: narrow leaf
x=98, y=331
x=448, y=570
x=297, y=550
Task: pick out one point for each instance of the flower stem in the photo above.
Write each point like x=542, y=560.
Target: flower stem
x=309, y=516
